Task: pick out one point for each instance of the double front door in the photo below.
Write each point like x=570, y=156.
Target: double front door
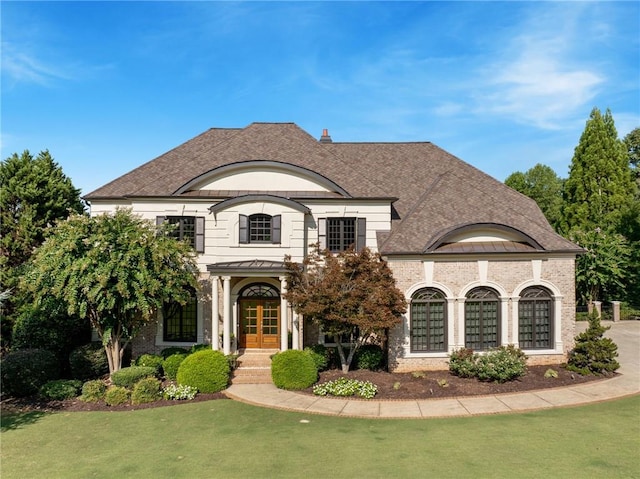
x=259, y=323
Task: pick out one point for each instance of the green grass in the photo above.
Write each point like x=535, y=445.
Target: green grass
x=227, y=439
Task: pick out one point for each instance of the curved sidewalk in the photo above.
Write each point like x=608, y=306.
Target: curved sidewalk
x=625, y=334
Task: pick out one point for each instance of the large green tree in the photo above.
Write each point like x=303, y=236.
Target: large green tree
x=114, y=270
x=600, y=187
x=632, y=144
x=543, y=185
x=349, y=295
x=34, y=194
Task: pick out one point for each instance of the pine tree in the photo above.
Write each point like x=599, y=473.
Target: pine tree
x=593, y=353
x=600, y=187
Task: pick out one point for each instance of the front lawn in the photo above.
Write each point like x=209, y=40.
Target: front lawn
x=233, y=440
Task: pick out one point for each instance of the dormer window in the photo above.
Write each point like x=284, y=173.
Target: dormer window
x=259, y=228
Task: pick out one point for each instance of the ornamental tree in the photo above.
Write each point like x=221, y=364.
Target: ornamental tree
x=352, y=296
x=116, y=270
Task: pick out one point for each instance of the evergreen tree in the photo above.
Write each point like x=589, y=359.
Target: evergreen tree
x=593, y=353
x=600, y=188
x=34, y=194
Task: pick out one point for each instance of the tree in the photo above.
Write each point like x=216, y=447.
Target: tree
x=544, y=186
x=350, y=294
x=114, y=270
x=601, y=272
x=35, y=194
x=600, y=187
x=632, y=144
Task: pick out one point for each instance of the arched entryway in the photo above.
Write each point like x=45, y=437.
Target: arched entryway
x=259, y=308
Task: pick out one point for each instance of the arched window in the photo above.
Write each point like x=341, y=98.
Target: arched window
x=259, y=290
x=428, y=321
x=180, y=322
x=535, y=319
x=482, y=319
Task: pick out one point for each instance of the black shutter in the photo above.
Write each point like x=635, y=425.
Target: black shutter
x=322, y=233
x=199, y=237
x=243, y=236
x=275, y=229
x=361, y=231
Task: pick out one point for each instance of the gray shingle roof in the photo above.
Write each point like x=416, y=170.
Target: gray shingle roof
x=436, y=192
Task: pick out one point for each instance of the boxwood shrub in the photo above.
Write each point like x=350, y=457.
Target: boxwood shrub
x=116, y=395
x=146, y=390
x=151, y=360
x=293, y=369
x=170, y=351
x=93, y=391
x=321, y=356
x=171, y=364
x=88, y=362
x=369, y=356
x=60, y=389
x=127, y=377
x=207, y=370
x=25, y=371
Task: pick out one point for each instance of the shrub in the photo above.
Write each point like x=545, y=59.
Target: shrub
x=502, y=364
x=166, y=352
x=171, y=365
x=369, y=356
x=180, y=392
x=151, y=360
x=593, y=353
x=116, y=395
x=346, y=387
x=462, y=363
x=199, y=347
x=146, y=390
x=25, y=371
x=206, y=370
x=320, y=355
x=293, y=369
x=93, y=391
x=128, y=377
x=60, y=389
x=88, y=362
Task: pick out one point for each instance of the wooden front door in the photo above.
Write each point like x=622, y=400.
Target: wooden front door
x=260, y=323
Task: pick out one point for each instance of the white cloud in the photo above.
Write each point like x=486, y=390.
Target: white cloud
x=22, y=66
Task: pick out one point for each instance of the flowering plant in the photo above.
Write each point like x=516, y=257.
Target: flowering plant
x=346, y=387
x=179, y=392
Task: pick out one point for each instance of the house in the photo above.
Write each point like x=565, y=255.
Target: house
x=478, y=262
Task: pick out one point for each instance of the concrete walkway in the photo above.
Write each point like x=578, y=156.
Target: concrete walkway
x=625, y=334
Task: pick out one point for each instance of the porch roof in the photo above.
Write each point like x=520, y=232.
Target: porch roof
x=254, y=267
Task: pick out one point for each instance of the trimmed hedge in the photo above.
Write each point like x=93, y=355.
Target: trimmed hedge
x=172, y=364
x=128, y=377
x=207, y=370
x=170, y=351
x=25, y=371
x=88, y=362
x=116, y=395
x=146, y=390
x=151, y=360
x=93, y=391
x=369, y=356
x=60, y=389
x=321, y=356
x=293, y=370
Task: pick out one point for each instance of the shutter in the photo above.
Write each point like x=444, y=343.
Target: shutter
x=275, y=229
x=243, y=235
x=199, y=234
x=322, y=233
x=361, y=231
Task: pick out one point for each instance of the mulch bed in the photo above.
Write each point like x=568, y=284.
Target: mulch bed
x=391, y=386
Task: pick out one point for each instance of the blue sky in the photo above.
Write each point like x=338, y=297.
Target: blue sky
x=107, y=86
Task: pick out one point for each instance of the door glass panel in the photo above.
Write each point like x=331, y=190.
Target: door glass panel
x=270, y=317
x=250, y=317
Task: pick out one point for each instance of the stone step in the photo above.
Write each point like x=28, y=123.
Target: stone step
x=251, y=375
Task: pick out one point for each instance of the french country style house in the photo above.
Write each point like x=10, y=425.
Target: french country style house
x=477, y=261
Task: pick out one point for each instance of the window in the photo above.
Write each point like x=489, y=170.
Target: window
x=339, y=234
x=428, y=321
x=187, y=228
x=535, y=319
x=180, y=322
x=260, y=228
x=482, y=319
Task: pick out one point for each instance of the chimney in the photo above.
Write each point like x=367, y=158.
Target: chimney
x=325, y=138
